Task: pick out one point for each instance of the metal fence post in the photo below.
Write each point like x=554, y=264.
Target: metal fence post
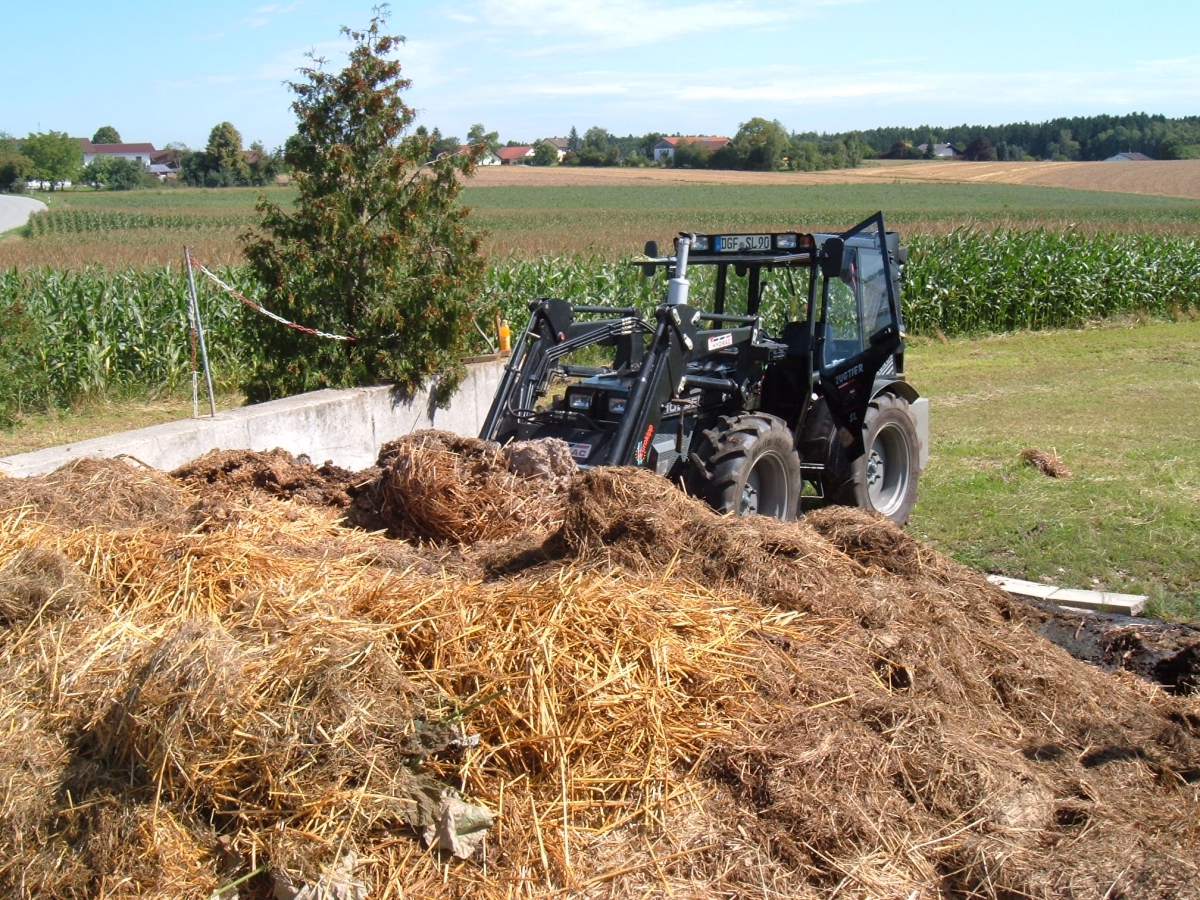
x=212, y=403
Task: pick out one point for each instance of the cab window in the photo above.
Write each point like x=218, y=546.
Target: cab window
x=843, y=331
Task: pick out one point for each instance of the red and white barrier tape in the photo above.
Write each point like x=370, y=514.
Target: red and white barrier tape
x=234, y=292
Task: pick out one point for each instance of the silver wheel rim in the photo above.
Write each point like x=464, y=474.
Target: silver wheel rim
x=765, y=492
x=887, y=469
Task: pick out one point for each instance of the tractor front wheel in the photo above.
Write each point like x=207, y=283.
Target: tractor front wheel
x=748, y=465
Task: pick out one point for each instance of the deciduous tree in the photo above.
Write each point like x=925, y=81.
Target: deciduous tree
x=759, y=144
x=262, y=165
x=545, y=154
x=224, y=162
x=980, y=149
x=106, y=134
x=376, y=247
x=691, y=155
x=55, y=155
x=478, y=135
x=15, y=166
x=116, y=173
x=854, y=150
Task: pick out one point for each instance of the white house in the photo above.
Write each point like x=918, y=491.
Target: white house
x=665, y=148
x=558, y=143
x=1130, y=156
x=488, y=159
x=137, y=152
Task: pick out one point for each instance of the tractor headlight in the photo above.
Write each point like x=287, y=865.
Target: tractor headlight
x=785, y=241
x=700, y=242
x=579, y=401
x=616, y=405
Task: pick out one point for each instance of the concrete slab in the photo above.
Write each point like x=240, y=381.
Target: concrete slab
x=346, y=427
x=1104, y=601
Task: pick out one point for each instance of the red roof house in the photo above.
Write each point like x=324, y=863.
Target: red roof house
x=514, y=155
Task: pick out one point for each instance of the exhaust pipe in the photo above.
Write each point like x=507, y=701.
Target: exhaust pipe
x=677, y=287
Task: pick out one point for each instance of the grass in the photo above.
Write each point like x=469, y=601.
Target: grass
x=1119, y=405
x=98, y=418
x=195, y=200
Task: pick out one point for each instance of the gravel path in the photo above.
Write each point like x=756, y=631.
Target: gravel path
x=15, y=211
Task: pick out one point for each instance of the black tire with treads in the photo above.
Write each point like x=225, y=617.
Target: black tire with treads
x=746, y=465
x=884, y=479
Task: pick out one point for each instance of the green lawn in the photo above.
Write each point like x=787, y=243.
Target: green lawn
x=94, y=419
x=198, y=200
x=902, y=201
x=1120, y=405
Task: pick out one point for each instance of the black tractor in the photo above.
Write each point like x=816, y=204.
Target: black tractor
x=752, y=422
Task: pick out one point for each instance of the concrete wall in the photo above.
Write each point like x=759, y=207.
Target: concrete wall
x=346, y=427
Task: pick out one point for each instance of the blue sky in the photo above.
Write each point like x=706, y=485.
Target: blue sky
x=533, y=68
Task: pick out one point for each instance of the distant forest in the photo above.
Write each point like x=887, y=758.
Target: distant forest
x=1081, y=137
x=767, y=145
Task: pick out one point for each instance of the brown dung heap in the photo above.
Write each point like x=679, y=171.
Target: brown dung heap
x=653, y=701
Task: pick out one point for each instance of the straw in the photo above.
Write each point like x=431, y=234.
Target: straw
x=663, y=701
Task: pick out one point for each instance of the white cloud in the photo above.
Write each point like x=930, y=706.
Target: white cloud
x=811, y=97
x=906, y=81
x=586, y=24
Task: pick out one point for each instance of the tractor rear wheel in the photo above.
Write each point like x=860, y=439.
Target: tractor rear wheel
x=748, y=465
x=884, y=478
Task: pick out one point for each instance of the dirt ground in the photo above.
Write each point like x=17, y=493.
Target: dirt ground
x=1164, y=653
x=1176, y=178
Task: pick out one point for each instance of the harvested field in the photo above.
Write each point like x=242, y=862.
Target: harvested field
x=1173, y=178
x=649, y=701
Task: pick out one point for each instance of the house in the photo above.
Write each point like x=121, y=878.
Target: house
x=137, y=152
x=512, y=156
x=665, y=148
x=164, y=164
x=1130, y=156
x=488, y=159
x=558, y=143
x=942, y=151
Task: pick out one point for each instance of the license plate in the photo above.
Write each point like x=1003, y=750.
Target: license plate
x=731, y=243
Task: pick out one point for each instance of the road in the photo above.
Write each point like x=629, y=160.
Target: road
x=15, y=211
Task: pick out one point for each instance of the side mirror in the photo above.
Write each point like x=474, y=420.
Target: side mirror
x=832, y=252
x=651, y=251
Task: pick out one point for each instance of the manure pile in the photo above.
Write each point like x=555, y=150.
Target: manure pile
x=533, y=683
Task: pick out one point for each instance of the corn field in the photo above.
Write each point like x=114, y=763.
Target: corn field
x=973, y=282
x=95, y=332
x=87, y=221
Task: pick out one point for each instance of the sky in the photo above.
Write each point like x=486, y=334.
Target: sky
x=534, y=68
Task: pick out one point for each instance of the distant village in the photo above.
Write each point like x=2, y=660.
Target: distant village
x=164, y=164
